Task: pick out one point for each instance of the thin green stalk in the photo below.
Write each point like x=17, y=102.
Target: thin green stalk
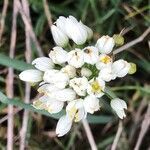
x=142, y=89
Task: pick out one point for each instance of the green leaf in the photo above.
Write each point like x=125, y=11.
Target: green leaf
x=91, y=118
x=14, y=63
x=40, y=25
x=99, y=119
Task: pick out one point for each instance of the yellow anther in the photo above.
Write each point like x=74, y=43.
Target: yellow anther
x=96, y=88
x=105, y=59
x=72, y=112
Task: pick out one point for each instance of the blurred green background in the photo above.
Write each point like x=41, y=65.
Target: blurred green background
x=104, y=17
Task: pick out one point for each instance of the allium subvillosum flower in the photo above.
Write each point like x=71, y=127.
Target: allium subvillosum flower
x=75, y=110
x=69, y=70
x=91, y=104
x=105, y=44
x=90, y=55
x=58, y=55
x=43, y=63
x=76, y=30
x=47, y=103
x=31, y=76
x=103, y=61
x=96, y=87
x=120, y=68
x=107, y=74
x=118, y=105
x=74, y=78
x=76, y=58
x=56, y=77
x=79, y=85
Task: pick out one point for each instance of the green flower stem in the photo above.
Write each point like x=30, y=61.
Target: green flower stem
x=111, y=95
x=145, y=90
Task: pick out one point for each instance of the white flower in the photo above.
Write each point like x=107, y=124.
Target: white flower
x=118, y=105
x=106, y=74
x=63, y=125
x=43, y=63
x=103, y=61
x=59, y=36
x=91, y=104
x=58, y=55
x=56, y=77
x=90, y=54
x=76, y=58
x=79, y=85
x=75, y=30
x=105, y=44
x=48, y=104
x=31, y=75
x=120, y=68
x=60, y=23
x=89, y=31
x=75, y=110
x=69, y=70
x=86, y=72
x=96, y=87
x=46, y=88
x=67, y=94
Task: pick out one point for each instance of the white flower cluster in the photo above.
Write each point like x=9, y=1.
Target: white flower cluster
x=75, y=78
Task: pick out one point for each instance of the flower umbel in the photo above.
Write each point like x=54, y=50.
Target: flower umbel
x=75, y=78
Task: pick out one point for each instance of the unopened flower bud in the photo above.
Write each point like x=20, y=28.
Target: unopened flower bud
x=132, y=69
x=105, y=44
x=119, y=39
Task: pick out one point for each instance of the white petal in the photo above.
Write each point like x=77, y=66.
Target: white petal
x=118, y=106
x=79, y=85
x=47, y=88
x=58, y=55
x=91, y=104
x=90, y=55
x=89, y=32
x=31, y=75
x=103, y=61
x=121, y=114
x=69, y=70
x=120, y=68
x=59, y=36
x=60, y=22
x=75, y=110
x=76, y=58
x=96, y=87
x=106, y=74
x=75, y=31
x=105, y=44
x=48, y=104
x=58, y=78
x=43, y=63
x=86, y=72
x=63, y=95
x=63, y=126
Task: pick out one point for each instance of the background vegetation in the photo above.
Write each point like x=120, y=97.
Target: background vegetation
x=104, y=17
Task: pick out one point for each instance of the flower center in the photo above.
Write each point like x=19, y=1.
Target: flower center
x=96, y=88
x=72, y=112
x=105, y=59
